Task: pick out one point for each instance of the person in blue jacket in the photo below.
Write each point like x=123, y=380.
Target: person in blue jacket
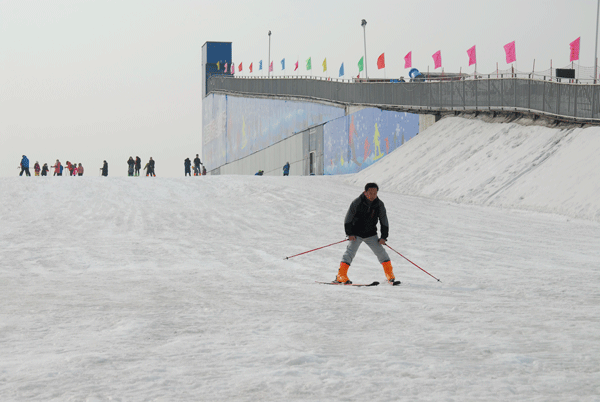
x=286, y=169
x=25, y=166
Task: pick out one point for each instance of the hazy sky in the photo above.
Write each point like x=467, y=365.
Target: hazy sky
x=91, y=80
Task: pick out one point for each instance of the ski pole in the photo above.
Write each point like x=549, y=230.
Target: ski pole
x=413, y=263
x=309, y=251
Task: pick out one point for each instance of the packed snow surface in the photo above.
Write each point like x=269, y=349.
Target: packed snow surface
x=163, y=289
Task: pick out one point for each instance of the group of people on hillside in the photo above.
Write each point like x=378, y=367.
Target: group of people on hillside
x=73, y=168
x=135, y=166
x=187, y=164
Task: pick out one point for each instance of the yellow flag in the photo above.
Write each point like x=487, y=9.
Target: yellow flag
x=218, y=65
x=325, y=64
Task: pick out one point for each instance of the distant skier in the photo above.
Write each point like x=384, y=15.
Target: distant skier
x=360, y=225
x=105, y=169
x=36, y=168
x=45, y=169
x=24, y=165
x=80, y=170
x=286, y=169
x=138, y=165
x=131, y=164
x=187, y=163
x=197, y=164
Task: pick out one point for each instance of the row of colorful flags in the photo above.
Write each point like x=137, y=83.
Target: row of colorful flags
x=509, y=49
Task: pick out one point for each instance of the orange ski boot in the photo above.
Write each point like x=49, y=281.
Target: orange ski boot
x=342, y=276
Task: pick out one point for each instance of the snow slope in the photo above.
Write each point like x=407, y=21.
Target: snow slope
x=506, y=165
x=157, y=289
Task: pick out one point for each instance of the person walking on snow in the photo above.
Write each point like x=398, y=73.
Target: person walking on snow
x=187, y=163
x=45, y=169
x=57, y=168
x=197, y=164
x=25, y=166
x=105, y=169
x=80, y=170
x=138, y=165
x=36, y=168
x=360, y=225
x=286, y=169
x=131, y=164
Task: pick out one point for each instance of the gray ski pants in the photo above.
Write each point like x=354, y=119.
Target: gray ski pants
x=372, y=242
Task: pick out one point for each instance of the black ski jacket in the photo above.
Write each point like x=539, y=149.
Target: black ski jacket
x=362, y=217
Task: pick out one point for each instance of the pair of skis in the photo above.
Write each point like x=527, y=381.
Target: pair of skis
x=396, y=283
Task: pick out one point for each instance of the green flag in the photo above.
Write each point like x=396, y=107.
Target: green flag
x=308, y=64
x=361, y=64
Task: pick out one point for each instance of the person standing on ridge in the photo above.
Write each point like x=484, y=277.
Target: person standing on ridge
x=57, y=168
x=360, y=225
x=45, y=169
x=131, y=164
x=150, y=171
x=80, y=170
x=286, y=169
x=138, y=165
x=36, y=168
x=197, y=164
x=105, y=169
x=24, y=166
x=187, y=163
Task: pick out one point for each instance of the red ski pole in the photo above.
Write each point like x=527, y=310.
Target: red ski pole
x=413, y=263
x=309, y=251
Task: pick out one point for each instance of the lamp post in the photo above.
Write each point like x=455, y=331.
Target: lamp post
x=269, y=62
x=364, y=24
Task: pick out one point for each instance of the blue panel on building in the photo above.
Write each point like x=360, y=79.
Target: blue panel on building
x=218, y=52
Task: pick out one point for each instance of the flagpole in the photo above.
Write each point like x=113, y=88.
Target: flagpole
x=596, y=48
x=364, y=25
x=269, y=61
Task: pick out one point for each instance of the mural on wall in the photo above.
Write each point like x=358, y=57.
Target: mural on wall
x=235, y=127
x=356, y=141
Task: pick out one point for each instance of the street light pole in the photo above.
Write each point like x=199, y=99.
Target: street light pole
x=269, y=62
x=364, y=24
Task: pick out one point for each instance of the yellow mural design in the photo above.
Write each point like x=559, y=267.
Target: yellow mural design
x=342, y=159
x=377, y=143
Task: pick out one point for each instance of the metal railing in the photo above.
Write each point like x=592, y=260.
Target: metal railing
x=575, y=102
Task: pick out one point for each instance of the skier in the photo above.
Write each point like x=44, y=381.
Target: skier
x=36, y=168
x=57, y=168
x=187, y=163
x=45, y=169
x=24, y=165
x=197, y=164
x=80, y=170
x=360, y=225
x=105, y=169
x=131, y=164
x=138, y=165
x=286, y=169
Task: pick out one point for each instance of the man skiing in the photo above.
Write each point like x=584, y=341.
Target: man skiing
x=360, y=225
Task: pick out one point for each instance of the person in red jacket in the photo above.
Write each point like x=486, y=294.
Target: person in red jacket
x=57, y=168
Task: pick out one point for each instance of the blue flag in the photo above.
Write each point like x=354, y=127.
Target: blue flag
x=342, y=70
x=283, y=64
x=260, y=65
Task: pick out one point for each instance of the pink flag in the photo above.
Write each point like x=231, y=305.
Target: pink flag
x=575, y=49
x=232, y=68
x=250, y=67
x=225, y=67
x=472, y=56
x=271, y=67
x=511, y=54
x=381, y=61
x=295, y=68
x=437, y=59
x=240, y=67
x=408, y=60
